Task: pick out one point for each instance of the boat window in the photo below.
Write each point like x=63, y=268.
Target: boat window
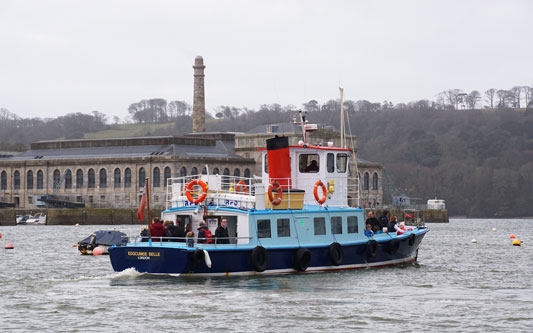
x=331, y=162
x=320, y=226
x=352, y=225
x=263, y=229
x=336, y=225
x=309, y=163
x=342, y=160
x=266, y=163
x=284, y=228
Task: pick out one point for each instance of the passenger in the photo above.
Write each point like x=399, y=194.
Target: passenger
x=169, y=232
x=368, y=231
x=157, y=229
x=204, y=234
x=372, y=220
x=190, y=239
x=221, y=234
x=401, y=229
x=144, y=234
x=393, y=224
x=179, y=231
x=384, y=220
x=312, y=167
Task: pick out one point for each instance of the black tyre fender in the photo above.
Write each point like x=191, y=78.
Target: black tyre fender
x=302, y=259
x=335, y=253
x=393, y=245
x=371, y=249
x=411, y=239
x=198, y=257
x=259, y=258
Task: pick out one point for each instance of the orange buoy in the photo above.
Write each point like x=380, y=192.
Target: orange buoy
x=512, y=236
x=0, y=235
x=10, y=246
x=97, y=251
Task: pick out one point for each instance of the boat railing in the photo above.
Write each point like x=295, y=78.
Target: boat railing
x=191, y=242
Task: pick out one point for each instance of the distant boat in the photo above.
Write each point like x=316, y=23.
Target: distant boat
x=39, y=218
x=102, y=238
x=21, y=219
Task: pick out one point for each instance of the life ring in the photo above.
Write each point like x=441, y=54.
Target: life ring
x=259, y=258
x=244, y=185
x=324, y=193
x=371, y=249
x=411, y=239
x=277, y=187
x=393, y=245
x=302, y=259
x=335, y=253
x=189, y=188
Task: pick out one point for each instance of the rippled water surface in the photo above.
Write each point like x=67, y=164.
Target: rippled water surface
x=457, y=285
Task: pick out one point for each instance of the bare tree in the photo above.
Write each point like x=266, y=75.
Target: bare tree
x=516, y=94
x=472, y=99
x=528, y=91
x=490, y=96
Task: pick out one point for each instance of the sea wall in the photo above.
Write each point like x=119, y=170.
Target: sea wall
x=82, y=216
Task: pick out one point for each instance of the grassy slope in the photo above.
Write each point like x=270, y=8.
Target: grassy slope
x=128, y=130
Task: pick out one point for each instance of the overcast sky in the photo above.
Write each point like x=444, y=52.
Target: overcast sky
x=59, y=57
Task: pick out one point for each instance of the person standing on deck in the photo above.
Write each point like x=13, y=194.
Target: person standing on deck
x=221, y=234
x=372, y=220
x=383, y=220
x=157, y=229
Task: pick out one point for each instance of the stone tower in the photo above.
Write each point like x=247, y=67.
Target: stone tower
x=198, y=104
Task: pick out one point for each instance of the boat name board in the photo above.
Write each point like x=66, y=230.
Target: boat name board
x=144, y=255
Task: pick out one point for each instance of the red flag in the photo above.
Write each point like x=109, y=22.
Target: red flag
x=142, y=206
x=409, y=216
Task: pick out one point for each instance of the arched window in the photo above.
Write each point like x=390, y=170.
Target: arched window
x=204, y=171
x=216, y=171
x=246, y=173
x=40, y=180
x=16, y=180
x=57, y=177
x=167, y=175
x=366, y=181
x=68, y=179
x=156, y=177
x=29, y=180
x=127, y=177
x=91, y=180
x=142, y=177
x=237, y=172
x=194, y=171
x=183, y=172
x=3, y=180
x=103, y=178
x=375, y=181
x=117, y=178
x=79, y=178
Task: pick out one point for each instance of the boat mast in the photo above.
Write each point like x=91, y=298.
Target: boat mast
x=342, y=118
x=147, y=184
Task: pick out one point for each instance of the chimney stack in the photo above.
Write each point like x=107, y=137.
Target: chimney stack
x=198, y=104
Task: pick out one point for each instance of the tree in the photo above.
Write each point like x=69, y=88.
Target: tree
x=472, y=99
x=311, y=106
x=516, y=95
x=490, y=96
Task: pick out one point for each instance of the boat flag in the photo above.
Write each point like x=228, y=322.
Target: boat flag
x=409, y=216
x=142, y=206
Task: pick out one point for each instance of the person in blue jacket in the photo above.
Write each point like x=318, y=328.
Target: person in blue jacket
x=368, y=231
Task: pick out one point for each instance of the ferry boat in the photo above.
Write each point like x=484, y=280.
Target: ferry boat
x=299, y=216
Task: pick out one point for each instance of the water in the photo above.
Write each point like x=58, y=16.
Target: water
x=46, y=286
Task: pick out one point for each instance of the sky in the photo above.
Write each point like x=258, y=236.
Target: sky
x=60, y=57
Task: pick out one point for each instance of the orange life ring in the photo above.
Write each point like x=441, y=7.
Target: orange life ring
x=244, y=186
x=324, y=193
x=189, y=188
x=275, y=186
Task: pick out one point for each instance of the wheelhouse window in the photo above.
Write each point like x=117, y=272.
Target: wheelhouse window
x=284, y=228
x=79, y=178
x=336, y=225
x=103, y=178
x=167, y=176
x=320, y=226
x=330, y=162
x=91, y=179
x=142, y=177
x=342, y=162
x=16, y=180
x=117, y=178
x=352, y=225
x=309, y=163
x=40, y=182
x=157, y=177
x=68, y=179
x=127, y=177
x=29, y=180
x=263, y=229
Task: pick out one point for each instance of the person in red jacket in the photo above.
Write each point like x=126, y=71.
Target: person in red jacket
x=157, y=229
